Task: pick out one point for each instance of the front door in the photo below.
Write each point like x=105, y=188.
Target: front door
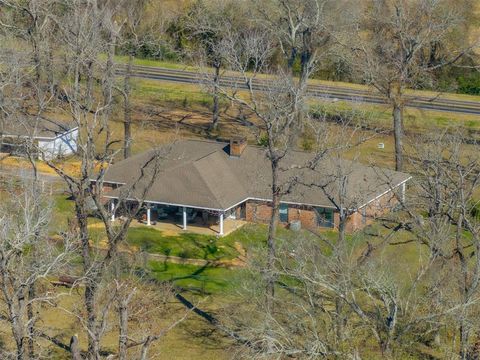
x=283, y=213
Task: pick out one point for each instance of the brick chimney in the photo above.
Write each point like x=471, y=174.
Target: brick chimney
x=237, y=146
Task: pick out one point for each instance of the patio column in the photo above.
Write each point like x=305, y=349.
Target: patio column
x=112, y=210
x=148, y=215
x=221, y=223
x=403, y=192
x=184, y=218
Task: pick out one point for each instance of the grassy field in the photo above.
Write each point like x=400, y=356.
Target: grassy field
x=186, y=245
x=206, y=247
x=150, y=92
x=159, y=107
x=339, y=84
x=415, y=120
x=202, y=280
x=192, y=339
x=212, y=288
x=156, y=63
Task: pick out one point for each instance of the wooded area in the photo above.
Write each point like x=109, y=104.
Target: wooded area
x=407, y=285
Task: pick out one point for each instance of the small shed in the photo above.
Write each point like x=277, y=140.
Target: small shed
x=49, y=139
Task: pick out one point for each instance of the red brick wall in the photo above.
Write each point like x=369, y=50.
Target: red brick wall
x=374, y=209
x=354, y=222
x=257, y=211
x=107, y=187
x=261, y=212
x=305, y=214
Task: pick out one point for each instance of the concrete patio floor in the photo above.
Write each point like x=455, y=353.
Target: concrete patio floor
x=171, y=228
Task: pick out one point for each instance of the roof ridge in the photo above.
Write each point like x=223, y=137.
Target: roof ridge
x=204, y=156
x=212, y=192
x=205, y=183
x=225, y=141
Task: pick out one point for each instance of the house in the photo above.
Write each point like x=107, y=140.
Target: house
x=233, y=180
x=50, y=139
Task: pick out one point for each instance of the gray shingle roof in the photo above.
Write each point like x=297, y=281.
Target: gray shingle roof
x=201, y=174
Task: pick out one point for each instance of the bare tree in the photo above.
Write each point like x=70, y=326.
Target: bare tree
x=83, y=39
x=133, y=13
x=275, y=107
x=139, y=303
x=207, y=25
x=302, y=29
x=28, y=257
x=86, y=31
x=395, y=51
x=448, y=183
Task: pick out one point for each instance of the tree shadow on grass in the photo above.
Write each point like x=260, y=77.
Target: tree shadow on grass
x=190, y=278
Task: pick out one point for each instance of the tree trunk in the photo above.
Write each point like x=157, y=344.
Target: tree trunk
x=93, y=341
x=271, y=256
x=464, y=335
x=340, y=320
x=90, y=283
x=398, y=134
x=17, y=315
x=272, y=232
x=123, y=338
x=145, y=348
x=74, y=348
x=30, y=316
x=127, y=110
x=216, y=98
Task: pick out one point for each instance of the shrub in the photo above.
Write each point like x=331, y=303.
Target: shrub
x=469, y=84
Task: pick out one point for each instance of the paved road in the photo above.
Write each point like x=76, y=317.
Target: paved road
x=332, y=93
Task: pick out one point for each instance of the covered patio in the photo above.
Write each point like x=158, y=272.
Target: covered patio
x=175, y=219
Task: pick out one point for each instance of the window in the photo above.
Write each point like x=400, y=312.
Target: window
x=325, y=217
x=283, y=211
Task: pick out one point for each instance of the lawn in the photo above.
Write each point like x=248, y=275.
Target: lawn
x=185, y=245
x=194, y=97
x=182, y=66
x=122, y=59
x=196, y=246
x=380, y=116
x=161, y=93
x=197, y=279
x=63, y=209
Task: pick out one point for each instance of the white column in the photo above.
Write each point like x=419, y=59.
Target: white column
x=403, y=192
x=221, y=223
x=112, y=209
x=184, y=218
x=148, y=215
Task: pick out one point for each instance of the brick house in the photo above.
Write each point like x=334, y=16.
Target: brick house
x=231, y=179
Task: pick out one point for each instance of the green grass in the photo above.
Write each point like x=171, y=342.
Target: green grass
x=315, y=81
x=191, y=96
x=181, y=96
x=161, y=93
x=186, y=245
x=155, y=63
x=205, y=279
x=63, y=209
x=380, y=116
x=196, y=246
